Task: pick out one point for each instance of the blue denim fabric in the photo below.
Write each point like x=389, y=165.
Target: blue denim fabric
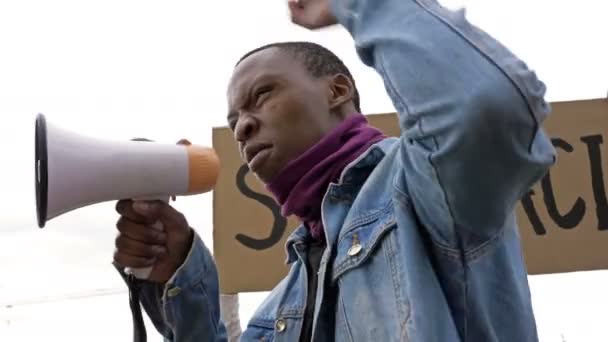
x=423, y=243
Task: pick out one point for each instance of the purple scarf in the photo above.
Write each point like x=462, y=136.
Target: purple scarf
x=301, y=185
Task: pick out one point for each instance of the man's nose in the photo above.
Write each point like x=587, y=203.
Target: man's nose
x=245, y=128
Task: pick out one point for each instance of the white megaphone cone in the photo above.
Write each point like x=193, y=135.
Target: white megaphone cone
x=74, y=171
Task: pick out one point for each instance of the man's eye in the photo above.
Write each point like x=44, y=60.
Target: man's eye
x=261, y=94
x=232, y=124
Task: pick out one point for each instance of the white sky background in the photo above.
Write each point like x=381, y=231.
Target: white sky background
x=158, y=69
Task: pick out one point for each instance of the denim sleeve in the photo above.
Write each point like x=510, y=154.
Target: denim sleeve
x=470, y=114
x=187, y=308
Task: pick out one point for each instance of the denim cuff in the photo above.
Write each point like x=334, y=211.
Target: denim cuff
x=191, y=271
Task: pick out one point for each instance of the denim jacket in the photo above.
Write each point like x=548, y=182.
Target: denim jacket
x=423, y=243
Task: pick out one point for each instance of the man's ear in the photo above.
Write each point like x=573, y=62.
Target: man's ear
x=341, y=91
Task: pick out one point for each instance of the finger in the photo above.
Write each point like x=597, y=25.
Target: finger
x=151, y=210
x=144, y=234
x=126, y=260
x=128, y=246
x=170, y=217
x=125, y=208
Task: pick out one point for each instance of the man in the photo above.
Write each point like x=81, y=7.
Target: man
x=403, y=239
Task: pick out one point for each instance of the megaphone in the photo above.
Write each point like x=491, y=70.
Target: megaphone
x=73, y=171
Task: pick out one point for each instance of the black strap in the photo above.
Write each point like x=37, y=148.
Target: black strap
x=139, y=328
x=313, y=261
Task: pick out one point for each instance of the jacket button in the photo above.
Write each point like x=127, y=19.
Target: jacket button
x=280, y=325
x=174, y=291
x=354, y=249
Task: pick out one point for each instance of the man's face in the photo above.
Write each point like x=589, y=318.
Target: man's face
x=277, y=110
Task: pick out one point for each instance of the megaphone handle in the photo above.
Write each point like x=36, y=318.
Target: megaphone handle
x=144, y=272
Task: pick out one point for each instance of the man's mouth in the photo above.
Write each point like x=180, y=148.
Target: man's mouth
x=256, y=155
x=259, y=159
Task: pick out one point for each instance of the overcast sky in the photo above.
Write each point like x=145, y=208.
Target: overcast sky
x=117, y=69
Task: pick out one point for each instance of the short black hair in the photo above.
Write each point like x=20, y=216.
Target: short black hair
x=318, y=60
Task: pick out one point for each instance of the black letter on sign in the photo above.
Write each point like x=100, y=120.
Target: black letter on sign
x=575, y=215
x=597, y=179
x=528, y=205
x=280, y=222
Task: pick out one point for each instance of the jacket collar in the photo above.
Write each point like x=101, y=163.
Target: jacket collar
x=352, y=177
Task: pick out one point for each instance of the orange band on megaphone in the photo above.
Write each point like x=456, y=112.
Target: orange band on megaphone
x=203, y=167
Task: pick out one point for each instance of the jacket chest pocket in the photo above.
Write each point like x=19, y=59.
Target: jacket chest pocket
x=281, y=329
x=361, y=243
x=372, y=305
x=258, y=332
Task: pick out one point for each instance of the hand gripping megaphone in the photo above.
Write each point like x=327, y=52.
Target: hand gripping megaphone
x=74, y=171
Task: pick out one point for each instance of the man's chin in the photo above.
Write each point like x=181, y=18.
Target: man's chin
x=264, y=175
x=268, y=171
x=260, y=178
x=264, y=179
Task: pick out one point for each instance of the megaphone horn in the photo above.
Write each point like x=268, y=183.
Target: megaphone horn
x=41, y=171
x=74, y=171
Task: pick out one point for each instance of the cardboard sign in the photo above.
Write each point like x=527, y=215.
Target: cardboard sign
x=563, y=219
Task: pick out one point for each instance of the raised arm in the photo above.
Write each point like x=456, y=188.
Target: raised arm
x=469, y=111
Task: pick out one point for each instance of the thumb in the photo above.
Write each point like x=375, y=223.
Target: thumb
x=148, y=209
x=170, y=218
x=184, y=142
